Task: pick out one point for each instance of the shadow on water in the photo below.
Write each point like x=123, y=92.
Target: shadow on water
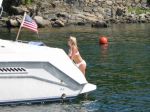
x=120, y=69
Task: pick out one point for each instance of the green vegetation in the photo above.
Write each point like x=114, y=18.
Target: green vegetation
x=28, y=1
x=148, y=2
x=138, y=10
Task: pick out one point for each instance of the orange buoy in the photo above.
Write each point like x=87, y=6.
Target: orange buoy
x=103, y=40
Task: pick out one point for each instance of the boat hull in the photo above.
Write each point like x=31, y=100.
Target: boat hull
x=35, y=81
x=32, y=73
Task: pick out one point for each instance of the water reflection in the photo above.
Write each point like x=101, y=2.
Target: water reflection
x=104, y=52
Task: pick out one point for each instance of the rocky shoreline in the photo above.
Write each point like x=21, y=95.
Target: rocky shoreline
x=61, y=13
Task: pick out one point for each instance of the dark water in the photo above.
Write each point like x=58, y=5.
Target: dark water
x=121, y=69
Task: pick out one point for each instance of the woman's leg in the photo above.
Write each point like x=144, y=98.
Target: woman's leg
x=82, y=67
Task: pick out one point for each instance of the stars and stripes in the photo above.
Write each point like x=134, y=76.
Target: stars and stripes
x=29, y=23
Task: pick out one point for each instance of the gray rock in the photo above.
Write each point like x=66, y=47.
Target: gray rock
x=19, y=10
x=62, y=12
x=132, y=18
x=99, y=24
x=41, y=22
x=119, y=11
x=63, y=15
x=142, y=18
x=57, y=23
x=87, y=9
x=109, y=2
x=108, y=12
x=14, y=23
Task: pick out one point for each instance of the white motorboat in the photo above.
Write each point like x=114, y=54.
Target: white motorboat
x=30, y=73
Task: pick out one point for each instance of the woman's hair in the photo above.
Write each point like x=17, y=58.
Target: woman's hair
x=73, y=41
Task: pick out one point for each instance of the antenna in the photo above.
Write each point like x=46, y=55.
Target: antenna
x=1, y=3
x=1, y=7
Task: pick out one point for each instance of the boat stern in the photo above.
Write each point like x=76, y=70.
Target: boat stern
x=88, y=87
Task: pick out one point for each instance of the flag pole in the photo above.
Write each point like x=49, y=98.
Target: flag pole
x=20, y=26
x=38, y=34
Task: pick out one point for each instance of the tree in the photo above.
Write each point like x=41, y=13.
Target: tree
x=148, y=2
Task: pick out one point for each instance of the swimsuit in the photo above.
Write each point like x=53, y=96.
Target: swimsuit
x=77, y=53
x=82, y=62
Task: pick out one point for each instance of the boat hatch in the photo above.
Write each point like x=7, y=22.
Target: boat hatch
x=12, y=70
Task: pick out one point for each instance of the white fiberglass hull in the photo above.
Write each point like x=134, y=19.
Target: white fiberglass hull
x=33, y=73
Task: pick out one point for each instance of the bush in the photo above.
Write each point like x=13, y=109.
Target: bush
x=148, y=2
x=138, y=10
x=28, y=1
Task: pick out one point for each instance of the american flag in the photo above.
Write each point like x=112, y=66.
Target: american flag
x=29, y=23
